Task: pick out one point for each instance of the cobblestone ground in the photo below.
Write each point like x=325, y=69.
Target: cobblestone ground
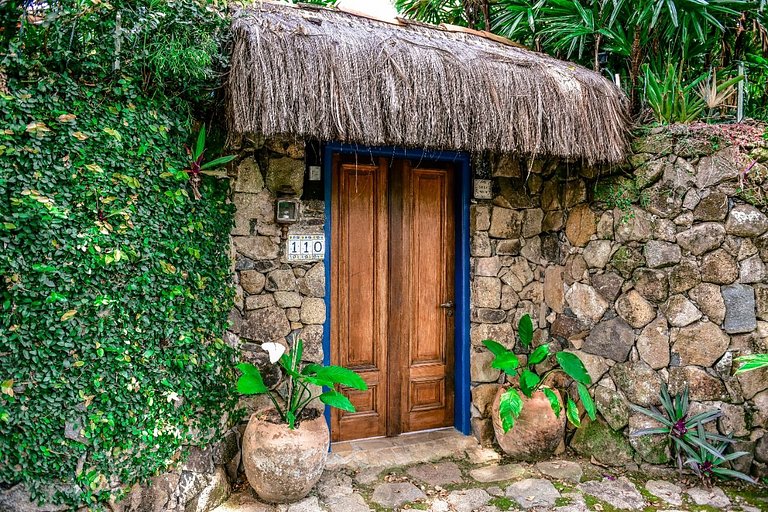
x=478, y=480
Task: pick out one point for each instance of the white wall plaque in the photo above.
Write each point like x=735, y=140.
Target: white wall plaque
x=305, y=247
x=315, y=174
x=483, y=189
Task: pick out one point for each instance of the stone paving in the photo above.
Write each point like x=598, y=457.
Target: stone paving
x=477, y=479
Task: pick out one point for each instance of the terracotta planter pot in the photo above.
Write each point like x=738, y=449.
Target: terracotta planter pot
x=283, y=465
x=537, y=431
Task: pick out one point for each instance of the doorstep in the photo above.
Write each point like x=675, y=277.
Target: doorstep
x=402, y=450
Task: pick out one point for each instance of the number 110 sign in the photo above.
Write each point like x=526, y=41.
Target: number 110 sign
x=306, y=247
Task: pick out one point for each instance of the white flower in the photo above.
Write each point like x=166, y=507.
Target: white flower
x=275, y=351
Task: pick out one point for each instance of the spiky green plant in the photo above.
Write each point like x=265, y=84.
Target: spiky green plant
x=707, y=463
x=678, y=426
x=751, y=362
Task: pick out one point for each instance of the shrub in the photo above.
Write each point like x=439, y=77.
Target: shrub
x=115, y=289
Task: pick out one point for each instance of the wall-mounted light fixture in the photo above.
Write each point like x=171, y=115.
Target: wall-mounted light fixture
x=287, y=209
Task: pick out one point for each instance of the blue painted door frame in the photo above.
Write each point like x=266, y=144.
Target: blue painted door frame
x=461, y=370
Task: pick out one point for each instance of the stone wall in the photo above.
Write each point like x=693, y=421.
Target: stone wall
x=669, y=289
x=654, y=274
x=276, y=300
x=200, y=484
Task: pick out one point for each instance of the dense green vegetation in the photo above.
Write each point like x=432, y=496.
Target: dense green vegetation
x=689, y=47
x=115, y=284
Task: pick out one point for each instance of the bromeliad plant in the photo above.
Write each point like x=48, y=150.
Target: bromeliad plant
x=511, y=404
x=706, y=463
x=197, y=167
x=685, y=433
x=294, y=393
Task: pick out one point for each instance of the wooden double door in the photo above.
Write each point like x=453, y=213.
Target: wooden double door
x=392, y=286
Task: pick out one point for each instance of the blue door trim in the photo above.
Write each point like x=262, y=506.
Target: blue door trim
x=461, y=351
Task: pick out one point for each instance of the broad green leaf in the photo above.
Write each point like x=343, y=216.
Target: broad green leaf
x=528, y=382
x=507, y=362
x=572, y=365
x=337, y=400
x=251, y=385
x=331, y=375
x=572, y=413
x=538, y=355
x=495, y=347
x=289, y=365
x=311, y=369
x=553, y=401
x=510, y=406
x=586, y=400
x=525, y=330
x=248, y=369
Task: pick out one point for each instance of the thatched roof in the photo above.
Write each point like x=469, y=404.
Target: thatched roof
x=337, y=76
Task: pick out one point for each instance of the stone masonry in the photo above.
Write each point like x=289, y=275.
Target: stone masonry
x=669, y=289
x=276, y=300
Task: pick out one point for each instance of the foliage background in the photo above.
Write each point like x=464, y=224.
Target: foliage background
x=115, y=285
x=636, y=39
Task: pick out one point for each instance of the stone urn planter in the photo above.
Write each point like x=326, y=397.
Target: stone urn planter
x=282, y=465
x=537, y=431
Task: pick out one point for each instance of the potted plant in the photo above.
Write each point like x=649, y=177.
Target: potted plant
x=284, y=450
x=527, y=418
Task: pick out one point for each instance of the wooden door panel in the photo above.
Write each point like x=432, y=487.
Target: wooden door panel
x=429, y=228
x=427, y=259
x=393, y=265
x=359, y=294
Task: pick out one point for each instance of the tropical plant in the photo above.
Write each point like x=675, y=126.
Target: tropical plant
x=292, y=395
x=197, y=167
x=436, y=11
x=511, y=404
x=706, y=463
x=672, y=101
x=681, y=429
x=751, y=362
x=619, y=36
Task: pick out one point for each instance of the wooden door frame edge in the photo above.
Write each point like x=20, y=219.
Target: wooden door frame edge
x=462, y=398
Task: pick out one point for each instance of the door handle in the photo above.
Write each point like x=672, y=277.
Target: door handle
x=449, y=306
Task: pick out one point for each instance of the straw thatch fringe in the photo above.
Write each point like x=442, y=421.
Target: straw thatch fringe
x=335, y=76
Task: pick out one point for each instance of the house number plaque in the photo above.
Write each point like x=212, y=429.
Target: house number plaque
x=483, y=189
x=306, y=247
